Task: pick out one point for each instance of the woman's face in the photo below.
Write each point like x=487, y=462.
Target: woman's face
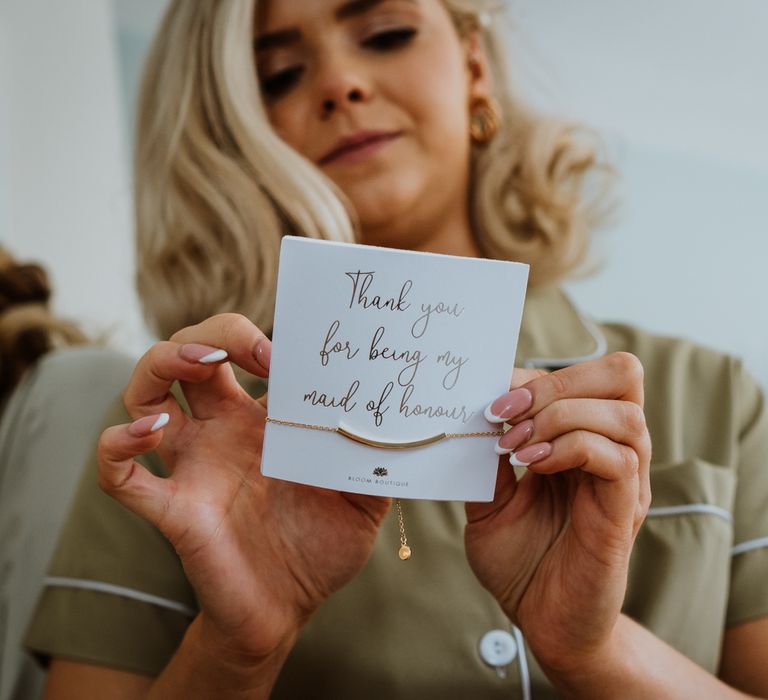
x=376, y=93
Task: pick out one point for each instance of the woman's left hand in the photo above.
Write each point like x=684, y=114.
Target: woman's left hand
x=554, y=546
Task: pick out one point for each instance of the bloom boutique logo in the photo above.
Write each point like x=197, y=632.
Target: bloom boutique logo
x=377, y=473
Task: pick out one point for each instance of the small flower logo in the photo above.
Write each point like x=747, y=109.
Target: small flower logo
x=380, y=471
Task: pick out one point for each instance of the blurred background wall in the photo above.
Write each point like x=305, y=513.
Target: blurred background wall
x=678, y=89
x=64, y=166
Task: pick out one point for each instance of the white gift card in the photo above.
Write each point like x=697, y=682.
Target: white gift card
x=376, y=346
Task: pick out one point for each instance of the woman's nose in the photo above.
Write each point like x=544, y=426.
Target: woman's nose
x=330, y=104
x=341, y=86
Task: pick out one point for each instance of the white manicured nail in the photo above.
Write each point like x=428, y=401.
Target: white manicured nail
x=533, y=453
x=212, y=357
x=515, y=462
x=509, y=405
x=162, y=420
x=490, y=417
x=499, y=450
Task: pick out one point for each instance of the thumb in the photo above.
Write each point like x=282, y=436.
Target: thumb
x=506, y=485
x=523, y=375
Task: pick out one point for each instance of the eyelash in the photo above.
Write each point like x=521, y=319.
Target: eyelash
x=278, y=84
x=390, y=39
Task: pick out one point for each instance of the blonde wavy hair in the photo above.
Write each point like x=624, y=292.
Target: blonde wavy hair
x=216, y=188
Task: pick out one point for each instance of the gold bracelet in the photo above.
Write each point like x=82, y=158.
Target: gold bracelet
x=405, y=551
x=347, y=433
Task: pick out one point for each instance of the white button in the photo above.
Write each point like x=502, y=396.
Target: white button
x=498, y=648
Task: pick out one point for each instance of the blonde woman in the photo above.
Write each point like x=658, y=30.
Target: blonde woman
x=392, y=122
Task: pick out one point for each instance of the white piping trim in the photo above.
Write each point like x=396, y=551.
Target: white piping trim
x=708, y=508
x=601, y=347
x=85, y=584
x=749, y=545
x=525, y=677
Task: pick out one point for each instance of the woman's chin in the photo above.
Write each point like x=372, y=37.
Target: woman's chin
x=389, y=232
x=384, y=202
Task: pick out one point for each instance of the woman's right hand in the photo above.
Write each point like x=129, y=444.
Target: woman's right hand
x=261, y=554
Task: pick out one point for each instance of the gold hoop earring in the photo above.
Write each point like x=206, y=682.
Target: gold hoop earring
x=484, y=119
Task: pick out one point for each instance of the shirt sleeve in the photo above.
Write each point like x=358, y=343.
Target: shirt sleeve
x=47, y=429
x=748, y=597
x=116, y=594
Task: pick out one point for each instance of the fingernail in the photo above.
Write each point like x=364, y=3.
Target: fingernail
x=263, y=353
x=514, y=437
x=203, y=354
x=529, y=455
x=148, y=424
x=509, y=405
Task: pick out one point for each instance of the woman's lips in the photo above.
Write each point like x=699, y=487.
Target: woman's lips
x=352, y=153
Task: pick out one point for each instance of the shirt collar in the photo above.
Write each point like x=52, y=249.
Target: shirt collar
x=554, y=333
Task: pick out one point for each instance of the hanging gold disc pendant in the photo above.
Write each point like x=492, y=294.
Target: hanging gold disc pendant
x=405, y=551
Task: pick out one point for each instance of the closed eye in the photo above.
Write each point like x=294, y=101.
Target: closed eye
x=278, y=84
x=390, y=39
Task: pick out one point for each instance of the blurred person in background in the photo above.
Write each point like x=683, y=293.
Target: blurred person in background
x=49, y=417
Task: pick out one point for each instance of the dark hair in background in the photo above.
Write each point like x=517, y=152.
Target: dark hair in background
x=28, y=330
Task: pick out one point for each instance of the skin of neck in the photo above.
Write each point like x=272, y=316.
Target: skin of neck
x=435, y=229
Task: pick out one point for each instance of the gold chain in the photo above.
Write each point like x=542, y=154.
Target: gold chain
x=310, y=426
x=301, y=425
x=405, y=551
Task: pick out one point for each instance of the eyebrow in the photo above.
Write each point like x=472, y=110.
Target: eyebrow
x=276, y=39
x=355, y=7
x=352, y=8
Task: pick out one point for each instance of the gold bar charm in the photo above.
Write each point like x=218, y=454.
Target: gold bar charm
x=389, y=445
